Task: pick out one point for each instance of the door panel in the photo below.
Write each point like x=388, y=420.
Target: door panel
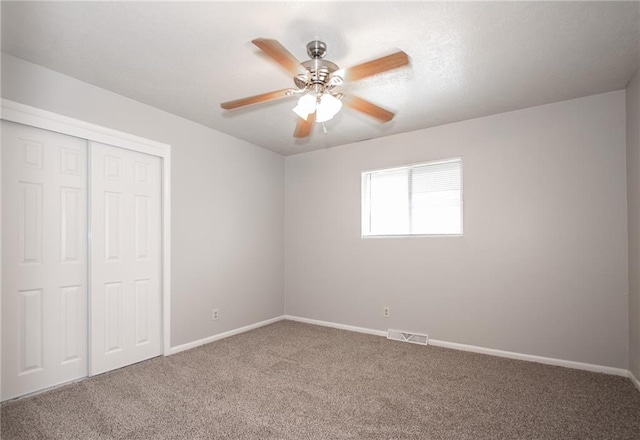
x=44, y=259
x=125, y=257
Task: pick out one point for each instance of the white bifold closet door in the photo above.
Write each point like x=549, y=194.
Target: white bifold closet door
x=125, y=257
x=44, y=259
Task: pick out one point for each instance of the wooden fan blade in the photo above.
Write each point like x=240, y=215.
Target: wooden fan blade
x=303, y=128
x=368, y=108
x=280, y=55
x=270, y=96
x=379, y=65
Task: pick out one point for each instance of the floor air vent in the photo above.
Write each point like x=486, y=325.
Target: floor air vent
x=414, y=338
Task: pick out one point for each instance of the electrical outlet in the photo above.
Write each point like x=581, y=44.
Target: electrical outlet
x=214, y=315
x=385, y=312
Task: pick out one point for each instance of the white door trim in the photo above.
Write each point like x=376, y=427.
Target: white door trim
x=35, y=117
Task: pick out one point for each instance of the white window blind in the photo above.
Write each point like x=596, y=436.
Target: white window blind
x=423, y=199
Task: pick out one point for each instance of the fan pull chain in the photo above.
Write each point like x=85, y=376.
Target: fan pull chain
x=324, y=129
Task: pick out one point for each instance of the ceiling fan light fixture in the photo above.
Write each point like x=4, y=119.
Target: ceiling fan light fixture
x=326, y=106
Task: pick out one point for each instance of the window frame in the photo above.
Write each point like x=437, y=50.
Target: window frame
x=365, y=211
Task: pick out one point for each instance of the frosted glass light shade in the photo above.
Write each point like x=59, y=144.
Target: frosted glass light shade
x=306, y=106
x=329, y=106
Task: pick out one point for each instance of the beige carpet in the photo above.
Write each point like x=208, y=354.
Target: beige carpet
x=298, y=381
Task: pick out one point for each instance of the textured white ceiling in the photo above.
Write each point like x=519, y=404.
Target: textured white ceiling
x=468, y=59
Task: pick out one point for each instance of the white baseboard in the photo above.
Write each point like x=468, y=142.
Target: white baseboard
x=198, y=343
x=634, y=380
x=475, y=349
x=531, y=358
x=350, y=328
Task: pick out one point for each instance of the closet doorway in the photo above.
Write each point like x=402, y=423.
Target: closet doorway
x=85, y=250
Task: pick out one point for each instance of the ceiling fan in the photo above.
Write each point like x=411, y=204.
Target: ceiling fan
x=316, y=80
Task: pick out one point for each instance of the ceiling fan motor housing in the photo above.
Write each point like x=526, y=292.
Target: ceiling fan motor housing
x=319, y=76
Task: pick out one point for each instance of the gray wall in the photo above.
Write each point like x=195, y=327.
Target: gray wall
x=541, y=268
x=633, y=191
x=227, y=195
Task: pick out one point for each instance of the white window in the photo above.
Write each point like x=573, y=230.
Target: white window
x=421, y=199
